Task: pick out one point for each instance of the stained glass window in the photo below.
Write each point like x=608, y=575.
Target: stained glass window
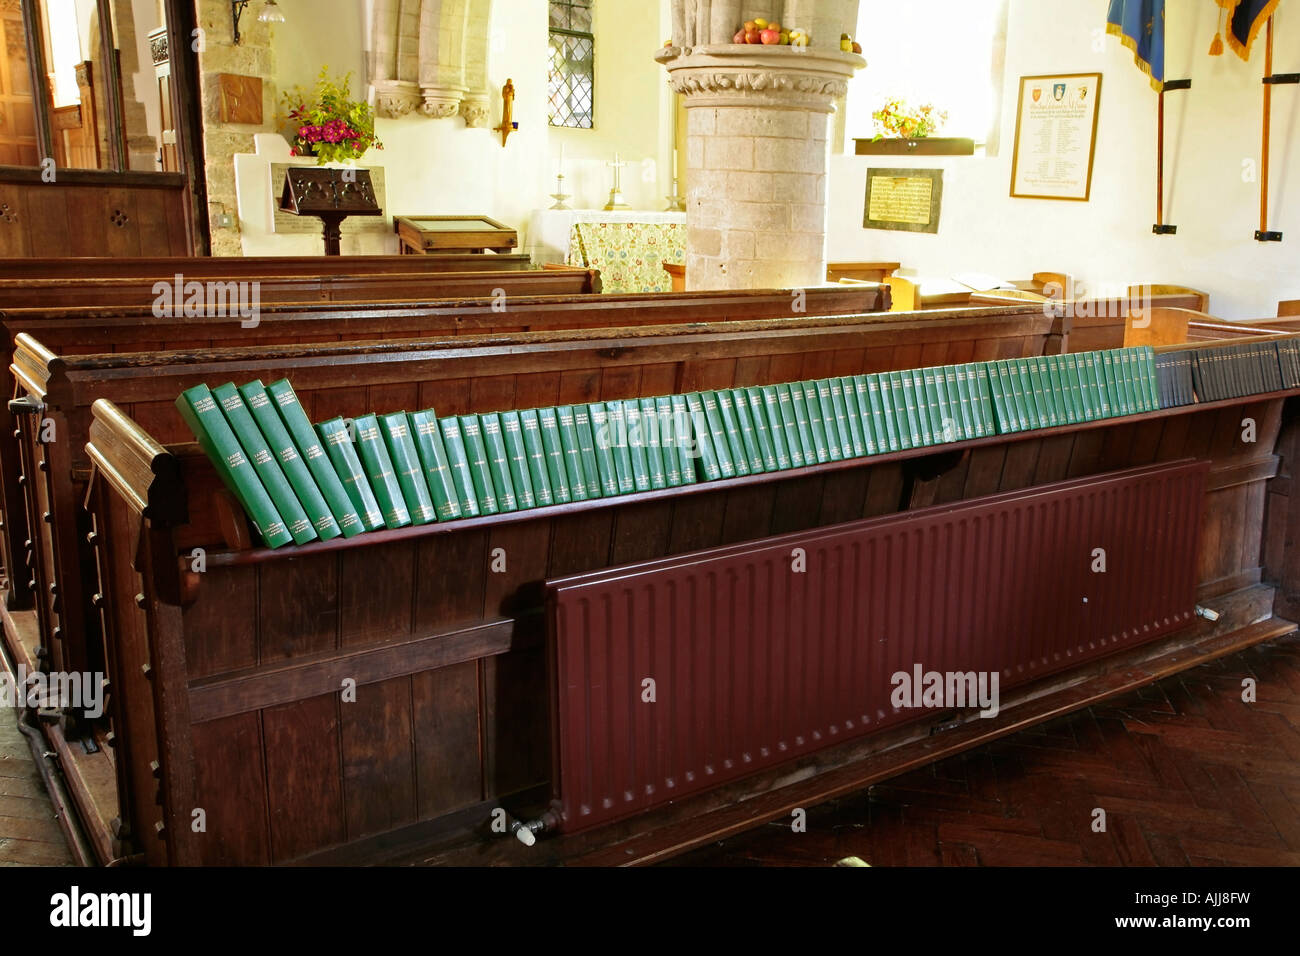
x=571, y=83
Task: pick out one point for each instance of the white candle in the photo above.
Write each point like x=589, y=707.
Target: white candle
x=674, y=164
x=561, y=159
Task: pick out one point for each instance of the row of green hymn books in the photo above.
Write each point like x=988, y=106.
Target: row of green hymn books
x=301, y=482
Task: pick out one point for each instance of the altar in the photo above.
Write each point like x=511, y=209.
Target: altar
x=628, y=247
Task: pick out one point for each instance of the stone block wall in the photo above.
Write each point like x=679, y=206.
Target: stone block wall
x=757, y=203
x=219, y=54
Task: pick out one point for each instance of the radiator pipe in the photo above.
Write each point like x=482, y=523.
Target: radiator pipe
x=52, y=776
x=526, y=831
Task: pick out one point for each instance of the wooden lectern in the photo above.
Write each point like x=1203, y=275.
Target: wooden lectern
x=331, y=194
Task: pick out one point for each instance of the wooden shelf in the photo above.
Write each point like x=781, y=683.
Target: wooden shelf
x=262, y=555
x=926, y=146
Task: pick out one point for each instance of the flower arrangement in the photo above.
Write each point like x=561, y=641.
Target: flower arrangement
x=333, y=127
x=896, y=118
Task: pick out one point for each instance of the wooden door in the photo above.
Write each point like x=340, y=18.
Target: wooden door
x=18, y=143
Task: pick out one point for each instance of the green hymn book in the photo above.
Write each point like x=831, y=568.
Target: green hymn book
x=549, y=423
x=201, y=413
x=702, y=434
x=538, y=472
x=861, y=400
x=281, y=443
x=512, y=434
x=762, y=428
x=790, y=424
x=476, y=454
x=494, y=443
x=683, y=436
x=603, y=445
x=816, y=424
x=616, y=422
x=882, y=411
x=396, y=429
x=650, y=438
x=587, y=449
x=342, y=453
x=636, y=445
x=731, y=431
x=718, y=434
x=373, y=451
x=458, y=460
x=845, y=393
x=669, y=440
x=264, y=463
x=747, y=428
x=776, y=427
x=311, y=450
x=572, y=452
x=840, y=416
x=437, y=469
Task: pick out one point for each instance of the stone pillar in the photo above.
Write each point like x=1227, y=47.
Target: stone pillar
x=757, y=159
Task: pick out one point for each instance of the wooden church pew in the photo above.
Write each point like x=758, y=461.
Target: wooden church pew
x=146, y=383
x=343, y=287
x=251, y=267
x=239, y=704
x=69, y=331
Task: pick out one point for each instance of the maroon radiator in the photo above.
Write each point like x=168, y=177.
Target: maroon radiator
x=677, y=675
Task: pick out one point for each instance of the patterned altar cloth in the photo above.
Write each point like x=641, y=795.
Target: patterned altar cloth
x=629, y=255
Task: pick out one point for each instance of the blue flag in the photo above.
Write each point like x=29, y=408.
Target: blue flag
x=1247, y=18
x=1140, y=25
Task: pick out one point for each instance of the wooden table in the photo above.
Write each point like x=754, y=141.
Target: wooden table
x=434, y=235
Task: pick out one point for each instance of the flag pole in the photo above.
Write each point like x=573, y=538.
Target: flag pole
x=1271, y=79
x=1263, y=235
x=1162, y=228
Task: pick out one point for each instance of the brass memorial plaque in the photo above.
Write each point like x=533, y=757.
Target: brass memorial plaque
x=904, y=199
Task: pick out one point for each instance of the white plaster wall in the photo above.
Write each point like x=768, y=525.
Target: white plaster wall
x=1106, y=243
x=439, y=166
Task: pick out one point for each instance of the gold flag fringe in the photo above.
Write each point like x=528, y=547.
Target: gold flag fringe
x=1114, y=30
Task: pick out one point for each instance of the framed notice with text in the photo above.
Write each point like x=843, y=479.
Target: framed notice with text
x=903, y=199
x=1056, y=136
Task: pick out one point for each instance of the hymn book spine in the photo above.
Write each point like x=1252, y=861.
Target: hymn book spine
x=702, y=433
x=538, y=471
x=670, y=439
x=458, y=461
x=748, y=432
x=688, y=449
x=494, y=444
x=572, y=452
x=396, y=430
x=203, y=416
x=265, y=463
x=763, y=429
x=260, y=406
x=790, y=424
x=549, y=423
x=617, y=423
x=604, y=449
x=512, y=433
x=476, y=455
x=378, y=464
x=437, y=469
x=650, y=438
x=342, y=453
x=587, y=449
x=861, y=398
x=313, y=453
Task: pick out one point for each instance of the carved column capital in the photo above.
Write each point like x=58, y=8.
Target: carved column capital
x=780, y=76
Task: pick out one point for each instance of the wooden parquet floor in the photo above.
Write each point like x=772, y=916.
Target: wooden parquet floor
x=1185, y=770
x=29, y=833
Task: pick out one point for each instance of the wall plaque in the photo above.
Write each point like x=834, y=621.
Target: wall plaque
x=1056, y=136
x=904, y=199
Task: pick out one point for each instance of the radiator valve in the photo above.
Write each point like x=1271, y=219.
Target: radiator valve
x=1208, y=613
